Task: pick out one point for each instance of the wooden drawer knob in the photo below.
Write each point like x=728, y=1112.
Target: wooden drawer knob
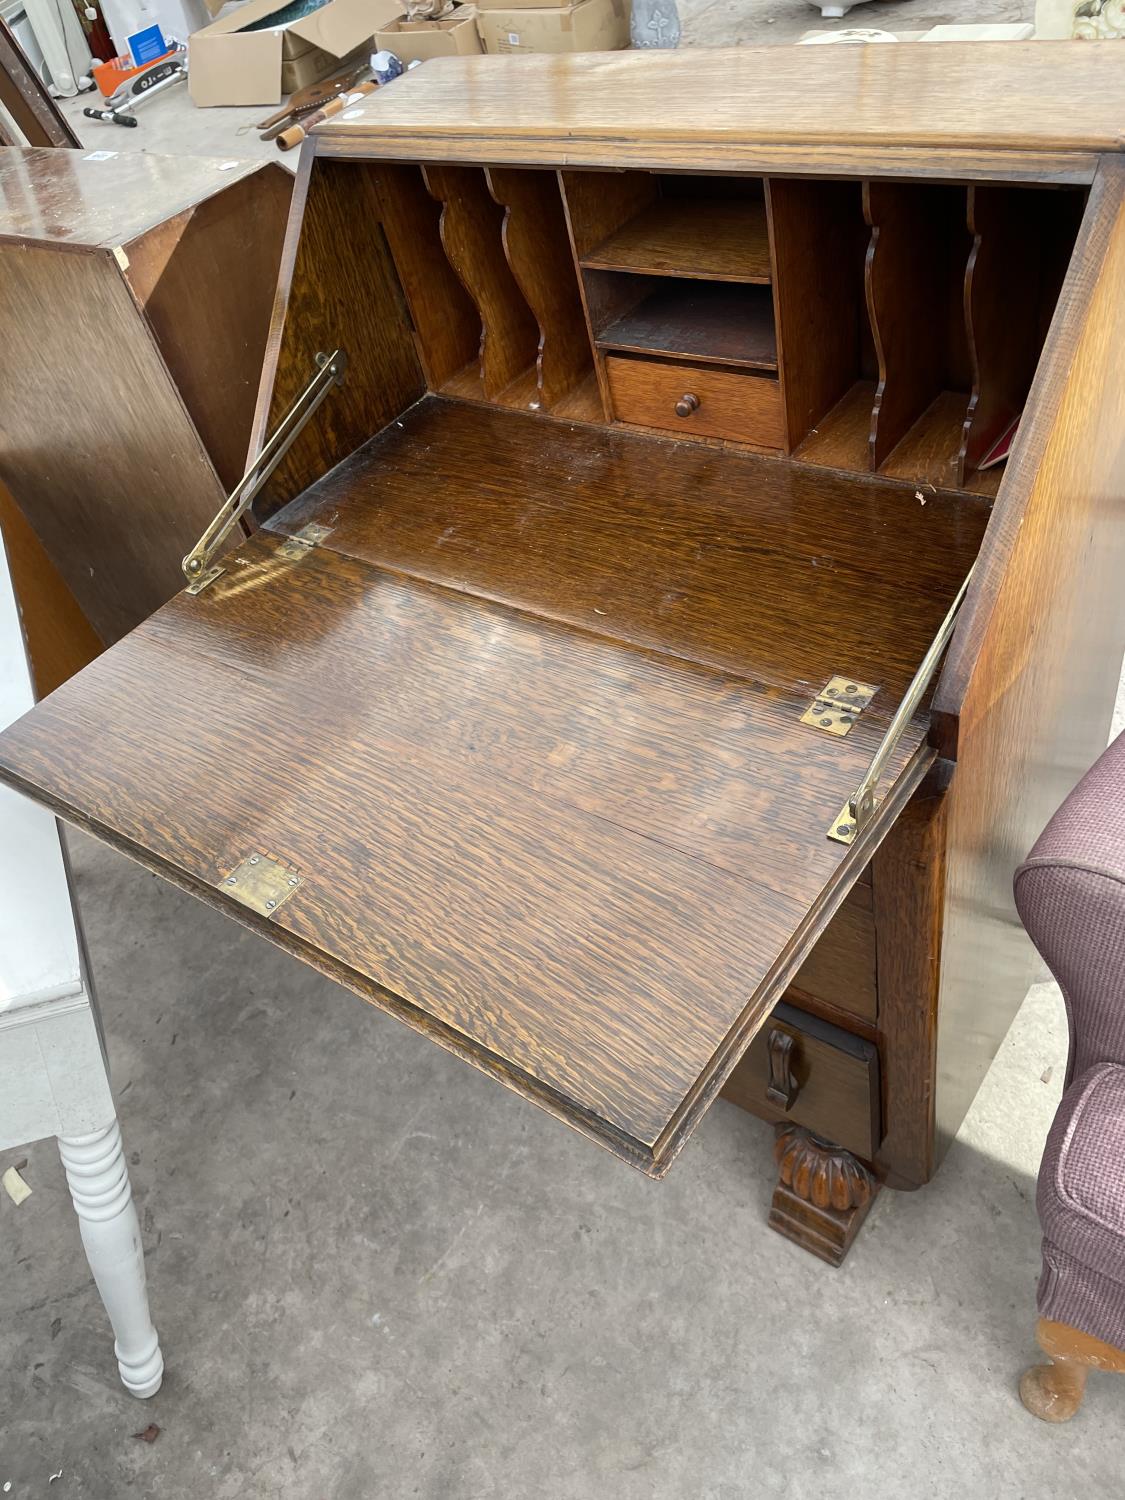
x=687, y=404
x=782, y=1087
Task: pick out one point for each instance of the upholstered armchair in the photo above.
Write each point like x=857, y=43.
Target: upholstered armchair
x=1071, y=897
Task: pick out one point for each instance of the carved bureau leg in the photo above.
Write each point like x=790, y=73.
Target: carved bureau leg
x=822, y=1196
x=107, y=1217
x=1054, y=1392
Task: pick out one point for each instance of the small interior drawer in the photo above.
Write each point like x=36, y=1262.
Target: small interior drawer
x=696, y=400
x=841, y=968
x=831, y=1077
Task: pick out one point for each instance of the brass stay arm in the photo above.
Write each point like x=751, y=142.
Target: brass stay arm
x=330, y=373
x=861, y=804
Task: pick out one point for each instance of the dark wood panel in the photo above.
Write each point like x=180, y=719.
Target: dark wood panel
x=915, y=277
x=696, y=400
x=909, y=904
x=337, y=288
x=781, y=574
x=819, y=242
x=719, y=322
x=1027, y=690
x=206, y=281
x=835, y=1079
x=589, y=962
x=538, y=252
x=444, y=315
x=471, y=232
x=1011, y=285
x=841, y=968
x=60, y=639
x=94, y=445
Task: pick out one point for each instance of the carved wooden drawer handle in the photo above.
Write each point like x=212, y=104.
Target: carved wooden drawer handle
x=687, y=404
x=782, y=1087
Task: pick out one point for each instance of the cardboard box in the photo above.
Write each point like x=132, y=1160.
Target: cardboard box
x=418, y=41
x=590, y=26
x=227, y=64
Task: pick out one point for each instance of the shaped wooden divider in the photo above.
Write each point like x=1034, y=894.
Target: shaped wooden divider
x=472, y=234
x=537, y=249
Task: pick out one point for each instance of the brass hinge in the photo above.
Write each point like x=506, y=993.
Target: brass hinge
x=197, y=565
x=301, y=543
x=838, y=704
x=261, y=883
x=859, y=809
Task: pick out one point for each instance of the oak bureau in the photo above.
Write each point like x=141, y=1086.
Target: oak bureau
x=639, y=675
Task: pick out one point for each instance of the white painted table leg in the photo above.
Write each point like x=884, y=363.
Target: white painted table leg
x=103, y=1197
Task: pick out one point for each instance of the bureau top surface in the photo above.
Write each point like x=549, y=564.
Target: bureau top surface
x=102, y=199
x=1055, y=96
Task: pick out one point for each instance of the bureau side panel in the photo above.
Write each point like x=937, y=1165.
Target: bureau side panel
x=1030, y=683
x=98, y=449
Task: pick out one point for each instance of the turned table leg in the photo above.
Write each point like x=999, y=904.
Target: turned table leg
x=823, y=1193
x=103, y=1198
x=1054, y=1392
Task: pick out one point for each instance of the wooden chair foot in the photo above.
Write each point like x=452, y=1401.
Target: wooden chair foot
x=1054, y=1392
x=823, y=1193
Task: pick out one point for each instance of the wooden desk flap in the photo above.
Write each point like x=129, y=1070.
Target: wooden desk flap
x=585, y=864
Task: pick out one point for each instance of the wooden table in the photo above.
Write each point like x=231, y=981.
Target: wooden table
x=538, y=710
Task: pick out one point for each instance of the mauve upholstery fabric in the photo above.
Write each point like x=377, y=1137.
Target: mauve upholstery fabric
x=1071, y=897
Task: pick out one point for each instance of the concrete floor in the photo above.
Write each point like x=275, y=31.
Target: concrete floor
x=376, y=1275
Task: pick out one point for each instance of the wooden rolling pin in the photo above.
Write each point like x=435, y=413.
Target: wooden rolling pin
x=296, y=133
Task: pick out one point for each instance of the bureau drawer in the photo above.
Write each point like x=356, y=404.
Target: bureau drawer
x=840, y=970
x=696, y=400
x=831, y=1079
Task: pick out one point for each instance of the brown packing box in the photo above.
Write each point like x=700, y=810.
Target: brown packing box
x=418, y=41
x=228, y=65
x=590, y=26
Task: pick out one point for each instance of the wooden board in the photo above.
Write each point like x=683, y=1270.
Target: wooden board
x=719, y=239
x=697, y=400
x=819, y=109
x=72, y=199
x=117, y=541
x=1026, y=693
x=776, y=573
x=717, y=322
x=500, y=826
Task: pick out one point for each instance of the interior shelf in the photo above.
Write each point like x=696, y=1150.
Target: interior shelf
x=710, y=239
x=719, y=322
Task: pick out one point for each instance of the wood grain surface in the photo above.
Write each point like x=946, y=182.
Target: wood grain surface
x=770, y=571
x=471, y=232
x=95, y=445
x=337, y=288
x=64, y=198
x=206, y=281
x=1027, y=691
x=551, y=916
x=988, y=101
x=445, y=319
x=538, y=251
x=714, y=239
x=60, y=639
